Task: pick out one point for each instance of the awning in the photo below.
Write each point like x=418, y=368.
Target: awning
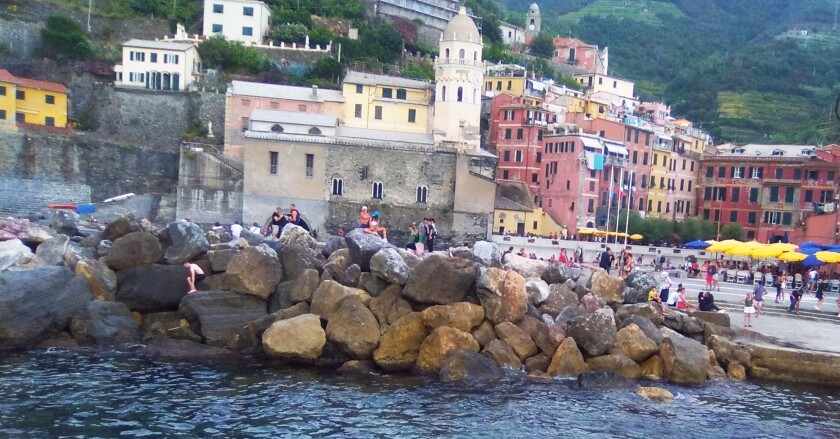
x=615, y=148
x=591, y=142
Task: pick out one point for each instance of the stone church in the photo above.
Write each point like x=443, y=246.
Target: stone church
x=403, y=147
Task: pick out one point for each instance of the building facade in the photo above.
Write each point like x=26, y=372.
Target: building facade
x=434, y=14
x=158, y=65
x=533, y=23
x=576, y=53
x=247, y=21
x=512, y=35
x=32, y=101
x=389, y=103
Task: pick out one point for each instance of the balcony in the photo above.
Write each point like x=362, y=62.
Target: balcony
x=460, y=61
x=615, y=161
x=662, y=147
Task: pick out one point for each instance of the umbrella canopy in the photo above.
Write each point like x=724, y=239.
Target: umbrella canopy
x=792, y=257
x=784, y=246
x=754, y=244
x=723, y=245
x=812, y=261
x=739, y=250
x=810, y=244
x=698, y=245
x=636, y=237
x=809, y=250
x=766, y=252
x=829, y=257
x=586, y=231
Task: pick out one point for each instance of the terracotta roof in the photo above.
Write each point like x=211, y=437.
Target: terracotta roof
x=5, y=76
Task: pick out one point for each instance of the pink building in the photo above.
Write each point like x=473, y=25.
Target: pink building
x=575, y=52
x=244, y=97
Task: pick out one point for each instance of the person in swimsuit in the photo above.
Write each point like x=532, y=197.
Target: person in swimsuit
x=364, y=218
x=194, y=276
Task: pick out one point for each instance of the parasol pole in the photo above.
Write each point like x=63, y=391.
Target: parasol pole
x=618, y=202
x=609, y=201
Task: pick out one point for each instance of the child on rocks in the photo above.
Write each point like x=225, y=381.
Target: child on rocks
x=749, y=308
x=195, y=275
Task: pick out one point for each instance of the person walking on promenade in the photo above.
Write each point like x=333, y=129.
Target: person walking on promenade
x=758, y=295
x=795, y=297
x=713, y=268
x=665, y=288
x=781, y=284
x=749, y=309
x=606, y=260
x=194, y=276
x=628, y=265
x=821, y=287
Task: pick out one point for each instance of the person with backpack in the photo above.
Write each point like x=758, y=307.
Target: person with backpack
x=659, y=261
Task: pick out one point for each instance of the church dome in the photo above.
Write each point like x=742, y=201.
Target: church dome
x=461, y=28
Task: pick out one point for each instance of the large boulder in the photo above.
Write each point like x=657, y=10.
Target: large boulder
x=152, y=288
x=120, y=227
x=517, y=339
x=54, y=250
x=65, y=222
x=485, y=252
x=363, y=246
x=462, y=315
x=728, y=351
x=502, y=294
x=655, y=394
x=685, y=359
x=38, y=303
x=353, y=328
x=12, y=252
x=105, y=324
x=567, y=360
x=325, y=299
x=593, y=332
x=400, y=344
x=649, y=328
x=333, y=243
x=305, y=285
x=645, y=309
x=604, y=380
x=218, y=316
x=188, y=241
x=256, y=271
x=610, y=288
x=101, y=279
x=537, y=289
x=389, y=265
x=502, y=354
x=441, y=280
x=546, y=337
x=133, y=250
x=632, y=342
x=559, y=297
x=439, y=344
x=250, y=336
x=617, y=364
x=14, y=229
x=718, y=318
x=282, y=296
x=220, y=259
x=653, y=368
x=638, y=285
x=298, y=338
x=556, y=273
x=337, y=263
x=467, y=365
x=296, y=235
x=297, y=259
x=524, y=266
x=167, y=324
x=484, y=333
x=389, y=306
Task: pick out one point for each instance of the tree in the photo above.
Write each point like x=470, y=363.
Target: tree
x=217, y=52
x=290, y=33
x=63, y=37
x=543, y=45
x=732, y=231
x=327, y=69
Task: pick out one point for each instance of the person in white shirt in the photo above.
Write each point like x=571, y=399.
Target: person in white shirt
x=255, y=228
x=665, y=288
x=236, y=229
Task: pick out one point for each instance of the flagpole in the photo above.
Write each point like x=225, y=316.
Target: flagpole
x=629, y=202
x=618, y=202
x=609, y=201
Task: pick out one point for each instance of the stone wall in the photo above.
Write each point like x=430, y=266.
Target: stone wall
x=209, y=189
x=20, y=37
x=18, y=196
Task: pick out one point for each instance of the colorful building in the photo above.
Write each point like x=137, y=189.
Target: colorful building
x=158, y=65
x=516, y=134
x=237, y=20
x=516, y=214
x=24, y=100
x=574, y=52
x=770, y=190
x=387, y=103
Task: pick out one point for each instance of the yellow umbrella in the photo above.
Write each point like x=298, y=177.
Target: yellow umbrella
x=766, y=252
x=754, y=244
x=611, y=233
x=792, y=257
x=828, y=257
x=723, y=245
x=785, y=246
x=739, y=250
x=600, y=233
x=622, y=235
x=636, y=237
x=586, y=232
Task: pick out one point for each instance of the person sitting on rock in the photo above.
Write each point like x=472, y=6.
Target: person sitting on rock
x=364, y=218
x=707, y=302
x=374, y=227
x=255, y=228
x=194, y=276
x=414, y=239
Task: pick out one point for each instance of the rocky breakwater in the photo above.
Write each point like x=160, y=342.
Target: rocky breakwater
x=356, y=304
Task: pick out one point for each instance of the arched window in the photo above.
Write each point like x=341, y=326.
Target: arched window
x=460, y=94
x=447, y=53
x=475, y=97
x=377, y=190
x=475, y=56
x=443, y=93
x=422, y=192
x=462, y=54
x=277, y=128
x=337, y=186
x=315, y=131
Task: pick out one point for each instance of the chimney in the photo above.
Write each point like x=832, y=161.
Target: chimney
x=314, y=91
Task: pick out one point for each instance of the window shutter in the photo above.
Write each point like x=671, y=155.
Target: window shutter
x=732, y=172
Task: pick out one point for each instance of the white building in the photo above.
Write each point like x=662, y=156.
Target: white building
x=511, y=34
x=158, y=65
x=237, y=20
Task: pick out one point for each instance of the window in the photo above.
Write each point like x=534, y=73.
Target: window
x=387, y=93
x=591, y=207
x=244, y=122
x=737, y=172
x=359, y=88
x=443, y=92
x=247, y=31
x=736, y=195
x=659, y=206
x=809, y=196
x=534, y=178
x=498, y=85
x=170, y=59
x=315, y=131
x=505, y=175
x=507, y=133
x=510, y=114
x=788, y=195
x=49, y=121
x=310, y=165
x=422, y=192
x=50, y=99
x=138, y=56
x=277, y=128
x=717, y=215
x=218, y=9
x=302, y=108
x=797, y=174
x=757, y=172
x=710, y=172
x=813, y=175
x=246, y=102
x=272, y=162
x=519, y=134
x=462, y=54
x=337, y=186
x=217, y=29
x=518, y=156
x=539, y=157
x=377, y=190
x=683, y=165
x=787, y=218
x=707, y=193
x=655, y=159
x=153, y=57
x=682, y=184
x=20, y=95
x=507, y=156
x=830, y=176
x=377, y=112
x=2, y=90
x=412, y=115
x=772, y=217
x=357, y=110
x=733, y=217
x=2, y=114
x=460, y=94
x=645, y=159
x=510, y=85
x=644, y=181
x=705, y=214
x=629, y=134
x=248, y=11
x=774, y=194
x=779, y=172
x=568, y=184
x=753, y=195
x=721, y=172
x=751, y=217
x=635, y=157
x=401, y=93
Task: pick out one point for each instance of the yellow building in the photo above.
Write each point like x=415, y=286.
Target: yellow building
x=515, y=214
x=387, y=103
x=513, y=80
x=661, y=178
x=32, y=101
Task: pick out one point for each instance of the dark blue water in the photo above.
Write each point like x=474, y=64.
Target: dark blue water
x=60, y=394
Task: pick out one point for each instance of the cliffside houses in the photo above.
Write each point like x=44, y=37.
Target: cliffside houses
x=158, y=65
x=247, y=21
x=30, y=101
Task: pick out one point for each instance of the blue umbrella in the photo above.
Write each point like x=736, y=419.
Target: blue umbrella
x=812, y=261
x=808, y=250
x=810, y=244
x=697, y=245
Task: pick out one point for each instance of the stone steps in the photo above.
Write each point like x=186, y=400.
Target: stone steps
x=806, y=314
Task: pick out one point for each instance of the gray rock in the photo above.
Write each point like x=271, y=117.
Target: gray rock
x=390, y=266
x=559, y=297
x=325, y=299
x=461, y=252
x=603, y=379
x=645, y=309
x=373, y=284
x=105, y=324
x=389, y=306
x=333, y=243
x=485, y=252
x=567, y=314
x=12, y=252
x=363, y=246
x=546, y=337
x=304, y=286
x=133, y=250
x=556, y=273
x=646, y=326
x=297, y=236
x=297, y=259
x=250, y=336
x=188, y=241
x=218, y=316
x=298, y=338
x=255, y=270
x=37, y=303
x=353, y=328
x=441, y=280
x=103, y=248
x=608, y=287
x=101, y=279
x=502, y=354
x=685, y=360
x=54, y=250
x=219, y=259
x=466, y=365
x=524, y=266
x=537, y=290
x=502, y=294
x=151, y=288
x=282, y=296
x=167, y=324
x=638, y=285
x=351, y=276
x=593, y=332
x=65, y=222
x=120, y=227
